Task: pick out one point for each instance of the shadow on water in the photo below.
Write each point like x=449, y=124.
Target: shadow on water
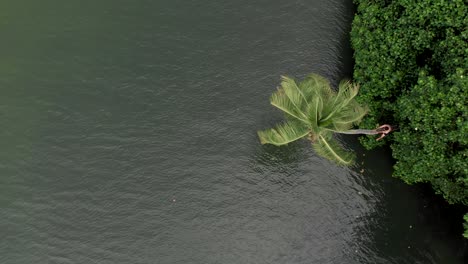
x=396, y=222
x=279, y=166
x=410, y=224
x=282, y=158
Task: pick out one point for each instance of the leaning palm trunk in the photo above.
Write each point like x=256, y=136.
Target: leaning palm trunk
x=360, y=132
x=381, y=130
x=315, y=111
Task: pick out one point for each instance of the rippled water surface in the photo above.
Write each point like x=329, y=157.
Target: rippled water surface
x=129, y=136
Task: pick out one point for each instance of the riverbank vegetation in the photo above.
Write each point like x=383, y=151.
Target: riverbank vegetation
x=411, y=60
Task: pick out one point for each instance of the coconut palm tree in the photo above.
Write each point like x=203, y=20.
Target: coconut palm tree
x=315, y=111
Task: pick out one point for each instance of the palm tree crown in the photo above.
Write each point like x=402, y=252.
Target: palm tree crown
x=313, y=109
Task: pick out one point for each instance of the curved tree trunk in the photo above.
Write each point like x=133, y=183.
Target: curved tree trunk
x=360, y=132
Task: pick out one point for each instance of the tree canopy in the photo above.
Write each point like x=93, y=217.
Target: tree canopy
x=313, y=109
x=411, y=59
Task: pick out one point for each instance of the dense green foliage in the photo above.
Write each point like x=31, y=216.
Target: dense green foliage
x=314, y=110
x=465, y=225
x=411, y=60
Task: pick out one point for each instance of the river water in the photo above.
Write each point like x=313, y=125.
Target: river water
x=129, y=136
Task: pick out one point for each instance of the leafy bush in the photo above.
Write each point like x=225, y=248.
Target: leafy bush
x=411, y=60
x=465, y=234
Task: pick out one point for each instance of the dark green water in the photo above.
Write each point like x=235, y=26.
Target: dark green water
x=129, y=136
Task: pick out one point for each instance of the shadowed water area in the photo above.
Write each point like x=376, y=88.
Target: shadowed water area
x=129, y=136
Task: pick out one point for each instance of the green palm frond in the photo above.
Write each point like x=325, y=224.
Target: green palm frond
x=345, y=96
x=349, y=116
x=280, y=100
x=338, y=127
x=329, y=148
x=352, y=114
x=292, y=91
x=346, y=93
x=314, y=112
x=315, y=85
x=347, y=90
x=313, y=108
x=284, y=133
